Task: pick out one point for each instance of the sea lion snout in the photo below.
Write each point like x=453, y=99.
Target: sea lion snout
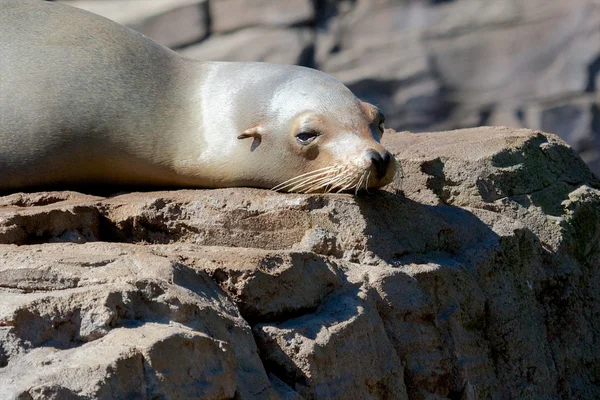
x=381, y=161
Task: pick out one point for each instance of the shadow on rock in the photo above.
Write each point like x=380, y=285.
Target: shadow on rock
x=400, y=230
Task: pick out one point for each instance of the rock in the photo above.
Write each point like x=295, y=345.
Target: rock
x=172, y=23
x=457, y=281
x=182, y=364
x=282, y=46
x=519, y=173
x=283, y=390
x=110, y=321
x=48, y=216
x=318, y=351
x=177, y=27
x=128, y=12
x=297, y=282
x=542, y=72
x=231, y=15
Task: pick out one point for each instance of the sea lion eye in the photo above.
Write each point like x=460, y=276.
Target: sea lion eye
x=306, y=137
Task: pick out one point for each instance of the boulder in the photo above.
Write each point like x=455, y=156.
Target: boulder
x=474, y=275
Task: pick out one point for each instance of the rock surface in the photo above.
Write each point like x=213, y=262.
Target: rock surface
x=430, y=65
x=475, y=276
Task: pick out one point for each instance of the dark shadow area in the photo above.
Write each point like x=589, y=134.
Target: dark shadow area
x=593, y=71
x=595, y=164
x=439, y=2
x=520, y=116
x=307, y=57
x=401, y=230
x=436, y=181
x=484, y=115
x=325, y=10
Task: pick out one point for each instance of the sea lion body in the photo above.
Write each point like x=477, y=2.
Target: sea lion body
x=84, y=100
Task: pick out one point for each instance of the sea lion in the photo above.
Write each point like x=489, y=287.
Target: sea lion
x=84, y=100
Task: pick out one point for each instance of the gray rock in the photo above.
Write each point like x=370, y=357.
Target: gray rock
x=128, y=12
x=231, y=15
x=282, y=46
x=176, y=27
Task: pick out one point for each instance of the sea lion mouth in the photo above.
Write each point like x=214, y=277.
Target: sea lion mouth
x=339, y=178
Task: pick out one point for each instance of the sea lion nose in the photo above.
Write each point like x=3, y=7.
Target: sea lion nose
x=381, y=162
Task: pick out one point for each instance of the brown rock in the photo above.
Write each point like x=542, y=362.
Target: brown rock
x=461, y=287
x=318, y=351
x=266, y=285
x=111, y=321
x=141, y=362
x=521, y=174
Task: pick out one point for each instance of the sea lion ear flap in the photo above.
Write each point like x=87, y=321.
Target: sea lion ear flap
x=252, y=132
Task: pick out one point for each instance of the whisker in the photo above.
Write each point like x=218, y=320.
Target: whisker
x=358, y=185
x=303, y=177
x=327, y=183
x=333, y=178
x=323, y=183
x=339, y=180
x=305, y=182
x=299, y=179
x=367, y=182
x=317, y=172
x=312, y=182
x=319, y=185
x=322, y=176
x=313, y=172
x=347, y=186
x=333, y=184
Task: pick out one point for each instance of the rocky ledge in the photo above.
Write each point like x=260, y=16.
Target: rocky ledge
x=475, y=276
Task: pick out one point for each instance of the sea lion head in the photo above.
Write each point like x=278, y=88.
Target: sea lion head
x=326, y=138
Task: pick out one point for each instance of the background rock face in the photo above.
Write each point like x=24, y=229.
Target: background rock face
x=481, y=281
x=429, y=64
